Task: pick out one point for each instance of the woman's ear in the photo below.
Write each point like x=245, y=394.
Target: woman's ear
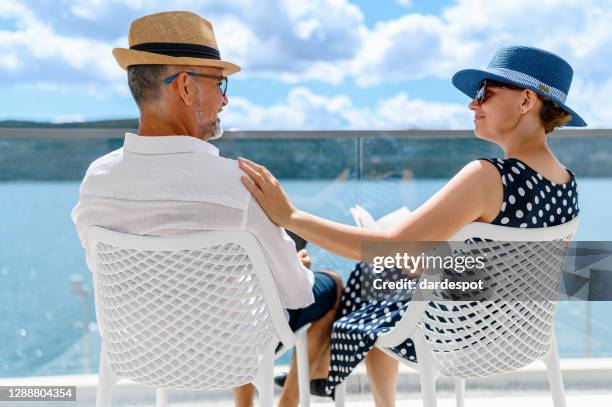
x=528, y=101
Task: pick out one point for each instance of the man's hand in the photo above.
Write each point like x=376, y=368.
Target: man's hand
x=304, y=258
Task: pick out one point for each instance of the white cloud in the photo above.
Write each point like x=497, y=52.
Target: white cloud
x=592, y=101
x=305, y=110
x=69, y=118
x=404, y=112
x=9, y=62
x=286, y=39
x=407, y=48
x=322, y=40
x=294, y=41
x=36, y=53
x=468, y=33
x=302, y=109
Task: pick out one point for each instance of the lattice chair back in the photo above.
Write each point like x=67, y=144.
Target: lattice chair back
x=471, y=339
x=188, y=312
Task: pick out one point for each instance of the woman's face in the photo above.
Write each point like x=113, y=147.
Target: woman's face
x=499, y=114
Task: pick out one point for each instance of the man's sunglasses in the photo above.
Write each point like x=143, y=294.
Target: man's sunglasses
x=222, y=79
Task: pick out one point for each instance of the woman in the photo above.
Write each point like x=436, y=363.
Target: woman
x=516, y=100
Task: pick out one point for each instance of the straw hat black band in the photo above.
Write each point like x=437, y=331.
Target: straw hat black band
x=173, y=38
x=176, y=49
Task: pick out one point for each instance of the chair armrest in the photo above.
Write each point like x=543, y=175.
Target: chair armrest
x=405, y=328
x=288, y=346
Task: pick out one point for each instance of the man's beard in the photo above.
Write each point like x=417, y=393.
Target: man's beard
x=210, y=130
x=218, y=130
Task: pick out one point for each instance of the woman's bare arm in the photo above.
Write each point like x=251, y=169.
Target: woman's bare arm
x=473, y=194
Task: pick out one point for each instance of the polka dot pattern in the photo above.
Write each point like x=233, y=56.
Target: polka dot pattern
x=359, y=326
x=530, y=200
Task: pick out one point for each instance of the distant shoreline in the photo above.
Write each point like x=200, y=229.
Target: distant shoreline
x=117, y=127
x=97, y=124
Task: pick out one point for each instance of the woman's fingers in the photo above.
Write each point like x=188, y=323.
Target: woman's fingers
x=260, y=174
x=268, y=191
x=244, y=163
x=260, y=169
x=246, y=166
x=251, y=163
x=251, y=187
x=255, y=175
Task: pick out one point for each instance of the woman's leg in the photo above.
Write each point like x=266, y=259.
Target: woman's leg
x=382, y=376
x=243, y=395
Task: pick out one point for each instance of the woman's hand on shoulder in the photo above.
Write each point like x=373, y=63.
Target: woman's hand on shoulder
x=268, y=192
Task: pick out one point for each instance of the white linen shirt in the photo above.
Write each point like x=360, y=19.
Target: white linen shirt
x=172, y=185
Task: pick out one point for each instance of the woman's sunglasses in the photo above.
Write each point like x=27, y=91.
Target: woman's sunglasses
x=481, y=93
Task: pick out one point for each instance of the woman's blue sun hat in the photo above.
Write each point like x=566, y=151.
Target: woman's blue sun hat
x=541, y=71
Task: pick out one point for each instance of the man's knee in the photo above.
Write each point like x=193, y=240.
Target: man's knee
x=336, y=277
x=339, y=286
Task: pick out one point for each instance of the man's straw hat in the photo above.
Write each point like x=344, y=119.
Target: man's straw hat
x=172, y=38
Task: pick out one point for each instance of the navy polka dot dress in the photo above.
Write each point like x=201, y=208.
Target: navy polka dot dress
x=530, y=201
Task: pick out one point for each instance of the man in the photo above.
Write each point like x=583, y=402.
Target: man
x=167, y=179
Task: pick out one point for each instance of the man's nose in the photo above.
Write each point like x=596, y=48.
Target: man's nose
x=225, y=101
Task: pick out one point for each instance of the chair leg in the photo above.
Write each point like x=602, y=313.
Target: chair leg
x=460, y=392
x=340, y=394
x=428, y=389
x=428, y=371
x=301, y=350
x=161, y=395
x=106, y=381
x=555, y=379
x=264, y=382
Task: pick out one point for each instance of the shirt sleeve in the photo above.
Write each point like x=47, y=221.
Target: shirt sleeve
x=75, y=215
x=293, y=281
x=82, y=225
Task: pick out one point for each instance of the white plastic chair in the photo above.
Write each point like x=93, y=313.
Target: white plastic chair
x=464, y=340
x=189, y=312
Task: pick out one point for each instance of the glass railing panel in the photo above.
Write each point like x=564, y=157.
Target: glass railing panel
x=46, y=307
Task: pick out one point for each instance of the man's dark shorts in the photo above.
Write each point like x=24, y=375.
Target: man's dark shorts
x=325, y=293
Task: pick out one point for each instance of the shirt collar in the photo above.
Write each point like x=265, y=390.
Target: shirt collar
x=167, y=145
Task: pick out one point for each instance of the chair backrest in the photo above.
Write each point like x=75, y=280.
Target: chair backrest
x=483, y=338
x=185, y=312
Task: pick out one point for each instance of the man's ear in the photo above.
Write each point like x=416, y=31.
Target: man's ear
x=184, y=88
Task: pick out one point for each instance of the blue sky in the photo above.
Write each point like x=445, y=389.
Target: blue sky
x=307, y=64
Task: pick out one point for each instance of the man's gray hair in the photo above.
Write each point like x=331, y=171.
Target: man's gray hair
x=145, y=82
